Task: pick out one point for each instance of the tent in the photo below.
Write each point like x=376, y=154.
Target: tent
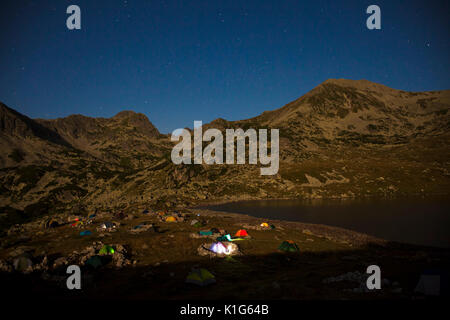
x=226, y=237
x=205, y=233
x=108, y=225
x=94, y=261
x=85, y=233
x=51, y=223
x=220, y=248
x=433, y=282
x=106, y=250
x=171, y=219
x=241, y=233
x=265, y=225
x=201, y=277
x=92, y=216
x=289, y=246
x=22, y=262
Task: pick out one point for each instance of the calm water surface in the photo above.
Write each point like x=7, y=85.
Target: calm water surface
x=416, y=221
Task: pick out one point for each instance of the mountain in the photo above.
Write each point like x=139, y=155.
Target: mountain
x=344, y=138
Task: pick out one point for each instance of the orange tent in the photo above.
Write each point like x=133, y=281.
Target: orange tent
x=241, y=233
x=264, y=225
x=171, y=219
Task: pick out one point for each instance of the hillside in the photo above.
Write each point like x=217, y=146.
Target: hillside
x=344, y=138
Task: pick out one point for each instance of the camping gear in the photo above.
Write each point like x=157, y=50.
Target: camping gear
x=94, y=261
x=171, y=219
x=22, y=262
x=92, y=216
x=433, y=282
x=201, y=277
x=106, y=250
x=288, y=246
x=85, y=233
x=241, y=233
x=108, y=225
x=205, y=233
x=226, y=237
x=265, y=225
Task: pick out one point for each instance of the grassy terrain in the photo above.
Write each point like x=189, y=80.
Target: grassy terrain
x=164, y=258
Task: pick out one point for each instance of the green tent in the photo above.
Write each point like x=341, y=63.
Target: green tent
x=289, y=246
x=201, y=277
x=106, y=250
x=205, y=233
x=94, y=261
x=226, y=237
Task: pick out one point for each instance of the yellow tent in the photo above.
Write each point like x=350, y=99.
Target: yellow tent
x=264, y=225
x=171, y=219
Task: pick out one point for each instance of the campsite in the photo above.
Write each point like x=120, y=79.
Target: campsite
x=270, y=259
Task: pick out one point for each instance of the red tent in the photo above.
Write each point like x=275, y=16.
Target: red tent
x=241, y=233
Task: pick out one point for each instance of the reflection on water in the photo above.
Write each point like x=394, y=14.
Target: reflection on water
x=416, y=221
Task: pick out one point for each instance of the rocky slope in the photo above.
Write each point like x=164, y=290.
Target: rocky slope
x=344, y=138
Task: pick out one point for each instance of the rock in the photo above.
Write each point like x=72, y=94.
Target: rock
x=5, y=266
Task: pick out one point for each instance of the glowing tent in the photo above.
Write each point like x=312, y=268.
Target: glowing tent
x=265, y=225
x=226, y=237
x=241, y=233
x=171, y=219
x=220, y=248
x=106, y=250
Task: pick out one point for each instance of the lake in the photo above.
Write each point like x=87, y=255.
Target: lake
x=415, y=221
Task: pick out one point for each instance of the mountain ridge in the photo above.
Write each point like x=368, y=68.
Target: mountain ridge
x=344, y=138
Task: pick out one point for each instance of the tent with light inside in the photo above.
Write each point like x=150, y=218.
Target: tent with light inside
x=200, y=277
x=220, y=248
x=106, y=249
x=289, y=246
x=171, y=219
x=241, y=233
x=226, y=237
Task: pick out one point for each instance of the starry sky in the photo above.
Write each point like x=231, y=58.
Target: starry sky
x=180, y=61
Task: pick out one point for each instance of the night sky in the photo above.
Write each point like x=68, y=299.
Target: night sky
x=180, y=61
